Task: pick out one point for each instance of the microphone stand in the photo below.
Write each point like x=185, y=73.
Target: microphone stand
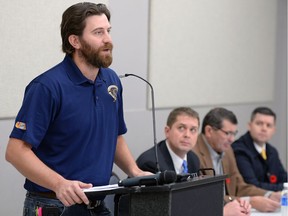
x=153, y=117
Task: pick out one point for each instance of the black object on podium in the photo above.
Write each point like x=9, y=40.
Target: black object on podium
x=201, y=196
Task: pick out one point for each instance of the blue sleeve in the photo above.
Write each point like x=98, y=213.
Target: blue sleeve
x=36, y=113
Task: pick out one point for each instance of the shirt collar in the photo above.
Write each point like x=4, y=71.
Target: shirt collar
x=259, y=148
x=76, y=75
x=213, y=153
x=216, y=158
x=177, y=161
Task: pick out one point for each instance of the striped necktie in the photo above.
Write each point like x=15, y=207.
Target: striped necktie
x=184, y=166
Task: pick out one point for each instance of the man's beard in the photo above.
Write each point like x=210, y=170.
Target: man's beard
x=93, y=56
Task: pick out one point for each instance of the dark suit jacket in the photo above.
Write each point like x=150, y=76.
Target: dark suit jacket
x=235, y=185
x=254, y=169
x=147, y=160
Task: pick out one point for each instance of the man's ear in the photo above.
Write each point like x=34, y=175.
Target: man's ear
x=166, y=130
x=208, y=129
x=74, y=41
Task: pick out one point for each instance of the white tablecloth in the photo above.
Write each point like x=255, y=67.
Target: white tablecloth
x=256, y=213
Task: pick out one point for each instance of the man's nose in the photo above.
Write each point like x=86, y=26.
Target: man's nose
x=187, y=133
x=107, y=37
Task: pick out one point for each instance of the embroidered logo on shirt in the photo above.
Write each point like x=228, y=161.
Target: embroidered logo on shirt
x=112, y=90
x=20, y=125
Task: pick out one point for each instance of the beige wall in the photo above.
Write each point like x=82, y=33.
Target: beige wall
x=130, y=34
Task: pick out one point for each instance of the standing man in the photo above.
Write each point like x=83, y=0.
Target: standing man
x=257, y=160
x=69, y=129
x=214, y=150
x=175, y=152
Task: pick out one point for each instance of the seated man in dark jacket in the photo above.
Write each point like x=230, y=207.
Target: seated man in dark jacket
x=257, y=160
x=181, y=134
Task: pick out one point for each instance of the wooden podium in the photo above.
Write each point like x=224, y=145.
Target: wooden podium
x=201, y=196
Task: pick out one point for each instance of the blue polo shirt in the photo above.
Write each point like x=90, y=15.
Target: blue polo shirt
x=72, y=123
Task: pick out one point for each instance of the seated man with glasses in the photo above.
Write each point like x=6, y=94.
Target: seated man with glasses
x=213, y=149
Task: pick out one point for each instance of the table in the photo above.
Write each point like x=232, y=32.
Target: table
x=256, y=213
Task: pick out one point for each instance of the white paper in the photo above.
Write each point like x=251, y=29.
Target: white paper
x=102, y=188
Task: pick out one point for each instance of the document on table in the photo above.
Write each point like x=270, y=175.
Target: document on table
x=256, y=213
x=102, y=188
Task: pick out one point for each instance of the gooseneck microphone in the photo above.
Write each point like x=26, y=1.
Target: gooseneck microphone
x=166, y=177
x=153, y=117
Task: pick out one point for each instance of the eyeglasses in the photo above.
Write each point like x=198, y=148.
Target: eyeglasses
x=228, y=133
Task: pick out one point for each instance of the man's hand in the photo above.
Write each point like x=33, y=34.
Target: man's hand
x=237, y=208
x=143, y=173
x=264, y=204
x=276, y=196
x=71, y=192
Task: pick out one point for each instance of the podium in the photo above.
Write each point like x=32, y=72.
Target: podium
x=201, y=196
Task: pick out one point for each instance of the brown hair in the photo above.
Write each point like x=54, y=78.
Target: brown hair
x=181, y=111
x=263, y=111
x=73, y=21
x=215, y=118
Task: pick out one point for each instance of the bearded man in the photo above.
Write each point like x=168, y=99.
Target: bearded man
x=70, y=127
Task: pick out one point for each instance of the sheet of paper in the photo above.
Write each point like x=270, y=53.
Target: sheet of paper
x=102, y=188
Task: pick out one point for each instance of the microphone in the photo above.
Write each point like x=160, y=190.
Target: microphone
x=183, y=177
x=153, y=117
x=166, y=177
